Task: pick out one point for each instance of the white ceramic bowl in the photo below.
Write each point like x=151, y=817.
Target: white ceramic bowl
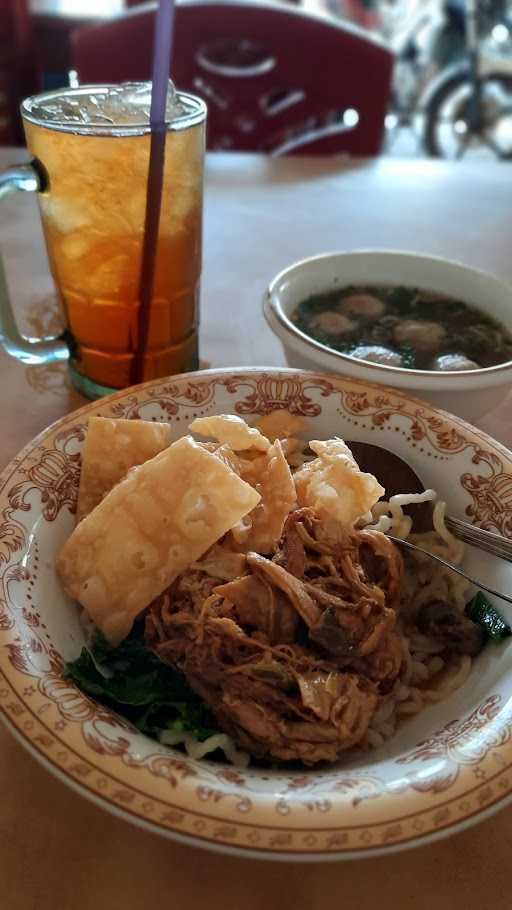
x=447, y=767
x=470, y=394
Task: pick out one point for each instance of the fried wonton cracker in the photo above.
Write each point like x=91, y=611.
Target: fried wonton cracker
x=279, y=425
x=231, y=430
x=333, y=485
x=162, y=517
x=111, y=448
x=270, y=474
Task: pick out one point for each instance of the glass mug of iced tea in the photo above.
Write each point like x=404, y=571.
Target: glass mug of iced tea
x=90, y=148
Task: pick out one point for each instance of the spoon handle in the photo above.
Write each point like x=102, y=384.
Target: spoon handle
x=450, y=565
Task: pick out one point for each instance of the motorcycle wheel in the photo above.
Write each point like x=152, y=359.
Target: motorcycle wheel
x=446, y=133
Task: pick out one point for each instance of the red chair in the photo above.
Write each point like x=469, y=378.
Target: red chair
x=17, y=70
x=275, y=78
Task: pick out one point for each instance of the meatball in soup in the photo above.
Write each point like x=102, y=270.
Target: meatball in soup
x=404, y=327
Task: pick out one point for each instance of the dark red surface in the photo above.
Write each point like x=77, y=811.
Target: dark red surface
x=17, y=67
x=334, y=67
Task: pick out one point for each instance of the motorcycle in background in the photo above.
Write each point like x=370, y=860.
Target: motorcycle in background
x=411, y=31
x=469, y=105
x=453, y=75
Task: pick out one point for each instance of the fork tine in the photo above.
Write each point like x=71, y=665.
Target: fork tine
x=485, y=547
x=479, y=532
x=464, y=534
x=483, y=540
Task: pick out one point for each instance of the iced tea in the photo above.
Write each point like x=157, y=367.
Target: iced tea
x=93, y=146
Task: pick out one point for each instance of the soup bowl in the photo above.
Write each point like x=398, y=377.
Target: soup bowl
x=445, y=768
x=468, y=393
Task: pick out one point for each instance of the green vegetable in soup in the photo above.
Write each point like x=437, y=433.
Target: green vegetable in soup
x=457, y=332
x=485, y=615
x=408, y=356
x=400, y=299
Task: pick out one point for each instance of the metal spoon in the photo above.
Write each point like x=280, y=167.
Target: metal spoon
x=397, y=476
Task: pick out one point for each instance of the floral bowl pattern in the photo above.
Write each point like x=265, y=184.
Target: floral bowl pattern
x=447, y=767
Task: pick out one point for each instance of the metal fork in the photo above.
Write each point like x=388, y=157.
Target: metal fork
x=450, y=565
x=483, y=540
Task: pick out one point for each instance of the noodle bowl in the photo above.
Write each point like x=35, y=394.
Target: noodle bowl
x=451, y=751
x=299, y=629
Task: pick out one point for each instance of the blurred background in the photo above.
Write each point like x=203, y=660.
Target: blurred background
x=449, y=95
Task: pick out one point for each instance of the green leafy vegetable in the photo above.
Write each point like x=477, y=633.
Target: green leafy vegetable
x=485, y=615
x=408, y=356
x=132, y=680
x=401, y=298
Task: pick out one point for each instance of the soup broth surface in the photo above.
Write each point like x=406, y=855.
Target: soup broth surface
x=404, y=327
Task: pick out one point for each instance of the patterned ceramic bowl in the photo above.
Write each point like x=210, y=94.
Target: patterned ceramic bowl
x=446, y=768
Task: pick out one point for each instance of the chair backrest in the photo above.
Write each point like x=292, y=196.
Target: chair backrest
x=275, y=78
x=16, y=67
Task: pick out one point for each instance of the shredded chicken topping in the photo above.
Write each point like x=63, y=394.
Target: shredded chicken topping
x=293, y=650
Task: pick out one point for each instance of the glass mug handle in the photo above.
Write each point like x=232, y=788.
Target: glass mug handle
x=24, y=178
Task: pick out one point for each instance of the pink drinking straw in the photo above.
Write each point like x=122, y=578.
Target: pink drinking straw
x=162, y=47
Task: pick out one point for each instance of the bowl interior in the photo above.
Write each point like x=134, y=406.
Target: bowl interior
x=433, y=756
x=326, y=273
